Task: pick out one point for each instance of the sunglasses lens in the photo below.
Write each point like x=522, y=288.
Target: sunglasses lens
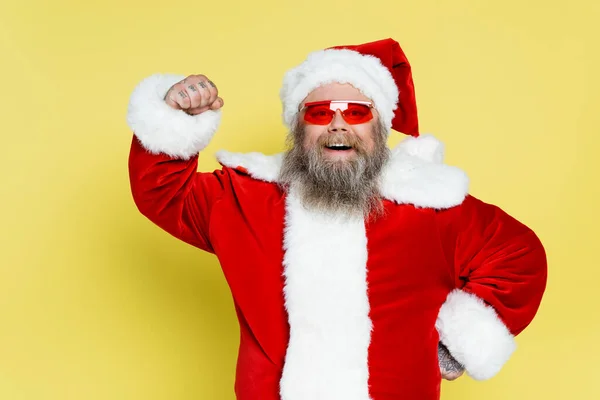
x=318, y=115
x=322, y=114
x=357, y=114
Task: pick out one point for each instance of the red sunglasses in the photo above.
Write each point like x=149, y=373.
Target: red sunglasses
x=322, y=112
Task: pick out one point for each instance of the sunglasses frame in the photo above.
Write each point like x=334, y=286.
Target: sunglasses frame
x=330, y=102
x=314, y=103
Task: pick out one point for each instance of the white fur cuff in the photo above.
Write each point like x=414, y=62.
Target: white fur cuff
x=474, y=335
x=162, y=129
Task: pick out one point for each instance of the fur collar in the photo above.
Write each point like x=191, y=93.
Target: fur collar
x=415, y=173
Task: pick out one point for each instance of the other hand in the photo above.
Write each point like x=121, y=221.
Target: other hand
x=449, y=367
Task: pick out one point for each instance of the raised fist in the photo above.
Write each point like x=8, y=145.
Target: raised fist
x=194, y=95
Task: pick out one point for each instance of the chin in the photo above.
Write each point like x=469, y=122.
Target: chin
x=339, y=154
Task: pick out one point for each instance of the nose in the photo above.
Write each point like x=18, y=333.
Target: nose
x=337, y=123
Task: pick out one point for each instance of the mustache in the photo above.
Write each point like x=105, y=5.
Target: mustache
x=346, y=139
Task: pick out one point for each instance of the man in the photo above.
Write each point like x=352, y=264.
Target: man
x=357, y=272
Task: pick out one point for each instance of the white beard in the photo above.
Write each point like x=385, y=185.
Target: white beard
x=336, y=186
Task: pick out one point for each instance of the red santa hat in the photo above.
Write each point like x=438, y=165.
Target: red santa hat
x=379, y=69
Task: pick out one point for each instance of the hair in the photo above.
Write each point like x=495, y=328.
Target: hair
x=347, y=187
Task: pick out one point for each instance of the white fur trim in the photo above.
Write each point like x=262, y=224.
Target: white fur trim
x=425, y=147
x=162, y=129
x=326, y=298
x=414, y=175
x=364, y=72
x=259, y=166
x=474, y=334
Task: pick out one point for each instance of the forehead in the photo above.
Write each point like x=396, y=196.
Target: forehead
x=335, y=91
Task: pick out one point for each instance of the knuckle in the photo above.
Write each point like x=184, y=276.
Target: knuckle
x=201, y=84
x=183, y=99
x=191, y=89
x=196, y=78
x=195, y=99
x=205, y=94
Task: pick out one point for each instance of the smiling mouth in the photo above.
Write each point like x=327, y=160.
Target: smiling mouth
x=339, y=147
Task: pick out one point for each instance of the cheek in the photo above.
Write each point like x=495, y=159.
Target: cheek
x=366, y=134
x=311, y=135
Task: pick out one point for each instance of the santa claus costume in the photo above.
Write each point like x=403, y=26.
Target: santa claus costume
x=333, y=307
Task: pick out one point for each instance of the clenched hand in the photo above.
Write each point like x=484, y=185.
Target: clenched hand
x=194, y=95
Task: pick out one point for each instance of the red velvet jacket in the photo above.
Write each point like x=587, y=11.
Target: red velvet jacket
x=332, y=307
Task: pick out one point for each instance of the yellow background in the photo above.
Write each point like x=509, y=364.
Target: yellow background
x=98, y=303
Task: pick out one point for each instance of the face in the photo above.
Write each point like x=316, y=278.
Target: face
x=343, y=180
x=322, y=137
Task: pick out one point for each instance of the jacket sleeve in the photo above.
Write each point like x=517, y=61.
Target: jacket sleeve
x=163, y=160
x=501, y=272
